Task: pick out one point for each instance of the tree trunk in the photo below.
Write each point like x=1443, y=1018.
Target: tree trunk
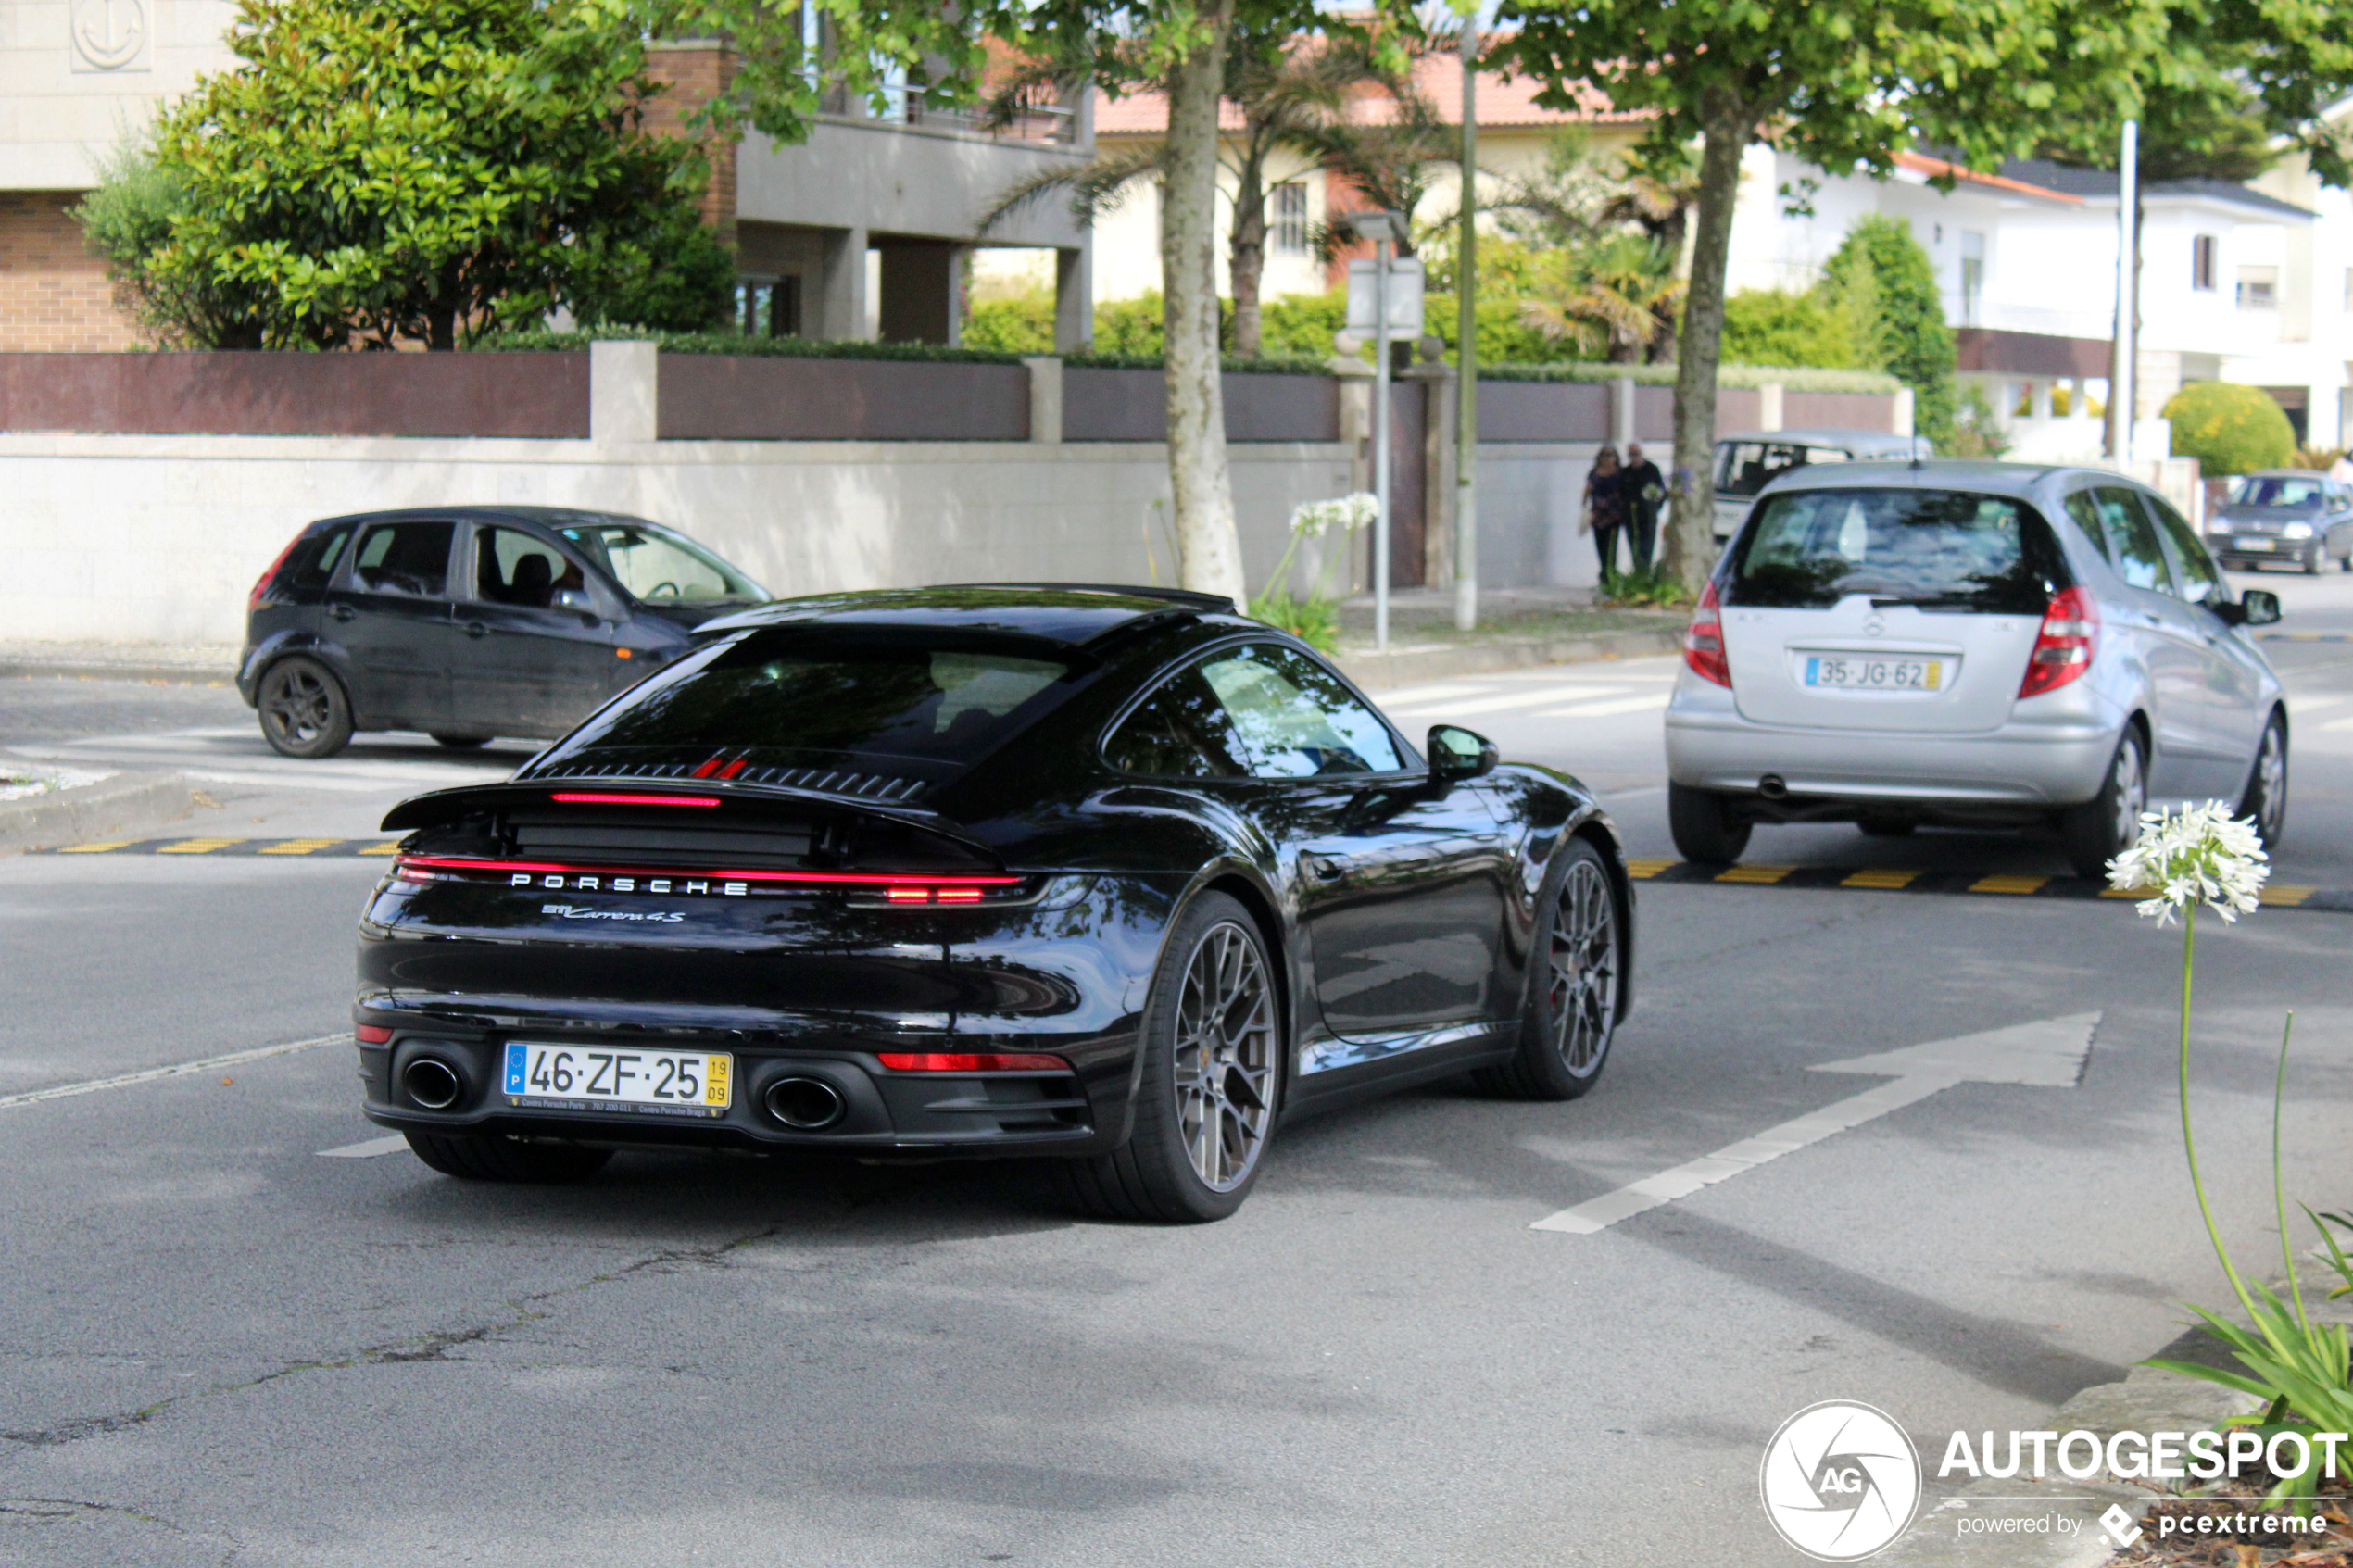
x=1690, y=538
x=1208, y=546
x=1246, y=260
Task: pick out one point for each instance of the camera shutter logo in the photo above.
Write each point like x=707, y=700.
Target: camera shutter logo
x=1839, y=1481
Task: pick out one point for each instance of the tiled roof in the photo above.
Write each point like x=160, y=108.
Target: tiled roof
x=1921, y=163
x=1503, y=103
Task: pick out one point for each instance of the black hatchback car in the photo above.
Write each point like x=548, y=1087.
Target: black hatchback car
x=470, y=621
x=1114, y=875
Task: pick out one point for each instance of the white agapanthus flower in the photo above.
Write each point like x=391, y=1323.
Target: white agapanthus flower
x=1311, y=517
x=2196, y=854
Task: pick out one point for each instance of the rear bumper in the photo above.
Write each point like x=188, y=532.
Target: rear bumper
x=883, y=1112
x=2047, y=762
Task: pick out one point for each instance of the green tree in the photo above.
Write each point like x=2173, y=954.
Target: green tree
x=380, y=171
x=1913, y=344
x=1841, y=83
x=1776, y=327
x=2230, y=429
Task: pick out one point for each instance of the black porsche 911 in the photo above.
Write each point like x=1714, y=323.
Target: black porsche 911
x=1112, y=875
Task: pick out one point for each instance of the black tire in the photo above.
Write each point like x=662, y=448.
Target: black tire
x=2106, y=825
x=459, y=743
x=1886, y=827
x=1705, y=826
x=1576, y=964
x=2316, y=561
x=504, y=1160
x=303, y=708
x=2344, y=563
x=1210, y=1067
x=2265, y=797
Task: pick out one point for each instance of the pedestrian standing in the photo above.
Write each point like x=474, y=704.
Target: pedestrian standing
x=2341, y=471
x=1643, y=488
x=1605, y=509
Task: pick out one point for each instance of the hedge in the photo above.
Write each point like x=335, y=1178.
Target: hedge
x=1795, y=378
x=2230, y=428
x=833, y=349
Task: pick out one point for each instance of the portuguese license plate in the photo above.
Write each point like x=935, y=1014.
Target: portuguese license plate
x=1865, y=674
x=2246, y=542
x=544, y=1076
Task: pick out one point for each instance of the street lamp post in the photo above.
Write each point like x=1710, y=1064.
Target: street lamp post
x=1467, y=352
x=2122, y=393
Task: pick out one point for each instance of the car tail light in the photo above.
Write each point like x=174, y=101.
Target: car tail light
x=601, y=797
x=971, y=1061
x=2063, y=647
x=372, y=1033
x=1704, y=642
x=261, y=584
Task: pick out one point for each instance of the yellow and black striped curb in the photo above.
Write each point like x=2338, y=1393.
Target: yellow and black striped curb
x=2278, y=894
x=2003, y=885
x=315, y=848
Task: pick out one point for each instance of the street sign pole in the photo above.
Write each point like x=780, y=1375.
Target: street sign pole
x=1380, y=442
x=1466, y=340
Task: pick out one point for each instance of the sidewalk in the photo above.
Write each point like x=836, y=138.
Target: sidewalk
x=194, y=663
x=1517, y=628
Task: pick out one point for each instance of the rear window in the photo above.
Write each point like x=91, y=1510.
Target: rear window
x=1746, y=467
x=794, y=703
x=1939, y=550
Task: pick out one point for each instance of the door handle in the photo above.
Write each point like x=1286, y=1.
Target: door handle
x=476, y=629
x=340, y=613
x=1327, y=868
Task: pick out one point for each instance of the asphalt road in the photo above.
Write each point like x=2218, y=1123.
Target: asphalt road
x=221, y=1348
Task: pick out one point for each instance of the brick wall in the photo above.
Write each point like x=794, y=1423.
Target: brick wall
x=53, y=292
x=691, y=75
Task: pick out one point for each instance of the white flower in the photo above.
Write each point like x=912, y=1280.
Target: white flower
x=2198, y=855
x=1311, y=517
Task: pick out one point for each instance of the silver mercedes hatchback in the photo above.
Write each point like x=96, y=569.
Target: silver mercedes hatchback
x=1969, y=644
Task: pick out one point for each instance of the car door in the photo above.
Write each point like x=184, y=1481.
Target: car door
x=2165, y=632
x=389, y=608
x=534, y=656
x=1400, y=882
x=2228, y=714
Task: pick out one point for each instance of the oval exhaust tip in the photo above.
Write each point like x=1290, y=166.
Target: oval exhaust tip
x=805, y=1105
x=431, y=1083
x=1772, y=786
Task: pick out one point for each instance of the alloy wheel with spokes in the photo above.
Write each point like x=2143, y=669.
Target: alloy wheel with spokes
x=1210, y=1083
x=1225, y=1056
x=303, y=710
x=1575, y=994
x=2109, y=823
x=2266, y=799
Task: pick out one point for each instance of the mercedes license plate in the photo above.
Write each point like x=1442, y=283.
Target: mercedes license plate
x=544, y=1076
x=1858, y=674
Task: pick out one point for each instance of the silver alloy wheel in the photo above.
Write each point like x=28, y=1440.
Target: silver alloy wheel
x=297, y=704
x=2130, y=781
x=1583, y=988
x=2271, y=781
x=1225, y=1056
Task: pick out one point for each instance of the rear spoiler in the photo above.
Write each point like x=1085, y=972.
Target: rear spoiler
x=730, y=802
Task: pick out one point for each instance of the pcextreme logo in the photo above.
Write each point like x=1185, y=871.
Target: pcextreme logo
x=1839, y=1481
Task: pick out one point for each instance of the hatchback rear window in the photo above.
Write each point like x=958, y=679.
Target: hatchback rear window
x=1939, y=550
x=794, y=702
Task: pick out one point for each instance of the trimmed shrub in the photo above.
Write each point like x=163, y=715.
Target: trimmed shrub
x=2229, y=428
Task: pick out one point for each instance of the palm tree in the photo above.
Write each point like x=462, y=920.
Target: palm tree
x=1288, y=90
x=1616, y=233
x=1617, y=299
x=1393, y=162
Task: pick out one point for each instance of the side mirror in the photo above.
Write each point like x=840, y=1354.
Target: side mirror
x=2256, y=607
x=1456, y=753
x=574, y=599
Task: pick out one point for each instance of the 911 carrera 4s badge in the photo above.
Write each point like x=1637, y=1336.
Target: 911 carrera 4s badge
x=581, y=911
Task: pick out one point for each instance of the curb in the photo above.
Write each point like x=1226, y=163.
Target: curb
x=2148, y=1400
x=1403, y=666
x=64, y=669
x=122, y=803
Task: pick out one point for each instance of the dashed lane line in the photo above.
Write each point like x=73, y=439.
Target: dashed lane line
x=367, y=1150
x=321, y=849
x=2278, y=896
x=176, y=1069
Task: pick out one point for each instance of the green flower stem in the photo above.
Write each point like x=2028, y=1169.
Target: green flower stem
x=2279, y=1185
x=2189, y=1143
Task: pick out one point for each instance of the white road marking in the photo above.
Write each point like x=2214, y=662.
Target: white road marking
x=1655, y=703
x=176, y=1070
x=2344, y=723
x=367, y=1150
x=1531, y=697
x=2049, y=1053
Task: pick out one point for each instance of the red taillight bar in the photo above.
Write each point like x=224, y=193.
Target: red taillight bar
x=826, y=879
x=572, y=797
x=968, y=1062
